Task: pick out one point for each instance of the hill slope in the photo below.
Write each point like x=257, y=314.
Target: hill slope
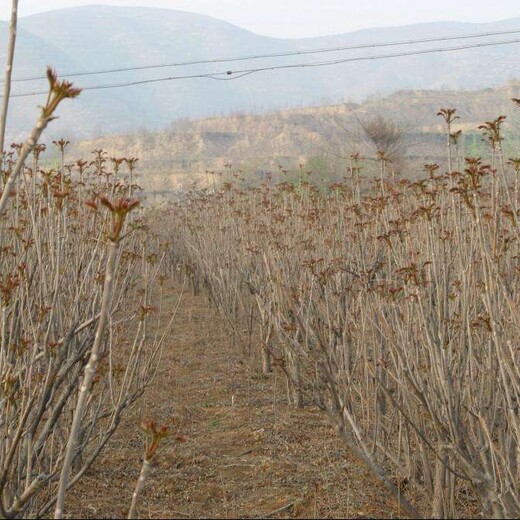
x=103, y=37
x=321, y=137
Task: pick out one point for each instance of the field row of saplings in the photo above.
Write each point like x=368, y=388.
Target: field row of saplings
x=393, y=305
x=81, y=321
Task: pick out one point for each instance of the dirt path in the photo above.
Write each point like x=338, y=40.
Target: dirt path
x=247, y=453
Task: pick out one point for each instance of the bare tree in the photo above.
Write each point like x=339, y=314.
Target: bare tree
x=384, y=135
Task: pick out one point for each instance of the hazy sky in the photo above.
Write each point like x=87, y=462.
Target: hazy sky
x=300, y=18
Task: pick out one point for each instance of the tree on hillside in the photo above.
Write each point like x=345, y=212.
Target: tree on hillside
x=384, y=135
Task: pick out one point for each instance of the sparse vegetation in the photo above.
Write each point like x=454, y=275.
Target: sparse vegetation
x=321, y=137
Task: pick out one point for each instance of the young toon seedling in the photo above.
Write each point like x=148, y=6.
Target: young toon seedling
x=153, y=438
x=118, y=210
x=58, y=91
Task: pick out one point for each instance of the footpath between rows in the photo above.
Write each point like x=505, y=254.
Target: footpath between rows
x=247, y=453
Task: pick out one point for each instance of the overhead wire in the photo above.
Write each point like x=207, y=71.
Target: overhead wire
x=229, y=75
x=277, y=55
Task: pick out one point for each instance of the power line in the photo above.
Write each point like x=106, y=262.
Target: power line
x=229, y=75
x=277, y=55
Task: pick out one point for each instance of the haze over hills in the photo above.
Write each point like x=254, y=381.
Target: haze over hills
x=322, y=138
x=103, y=37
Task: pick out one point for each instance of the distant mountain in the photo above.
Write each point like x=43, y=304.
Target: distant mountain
x=102, y=37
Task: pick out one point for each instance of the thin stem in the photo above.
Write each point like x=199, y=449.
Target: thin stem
x=90, y=371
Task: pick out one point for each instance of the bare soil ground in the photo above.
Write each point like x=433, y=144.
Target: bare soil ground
x=247, y=454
